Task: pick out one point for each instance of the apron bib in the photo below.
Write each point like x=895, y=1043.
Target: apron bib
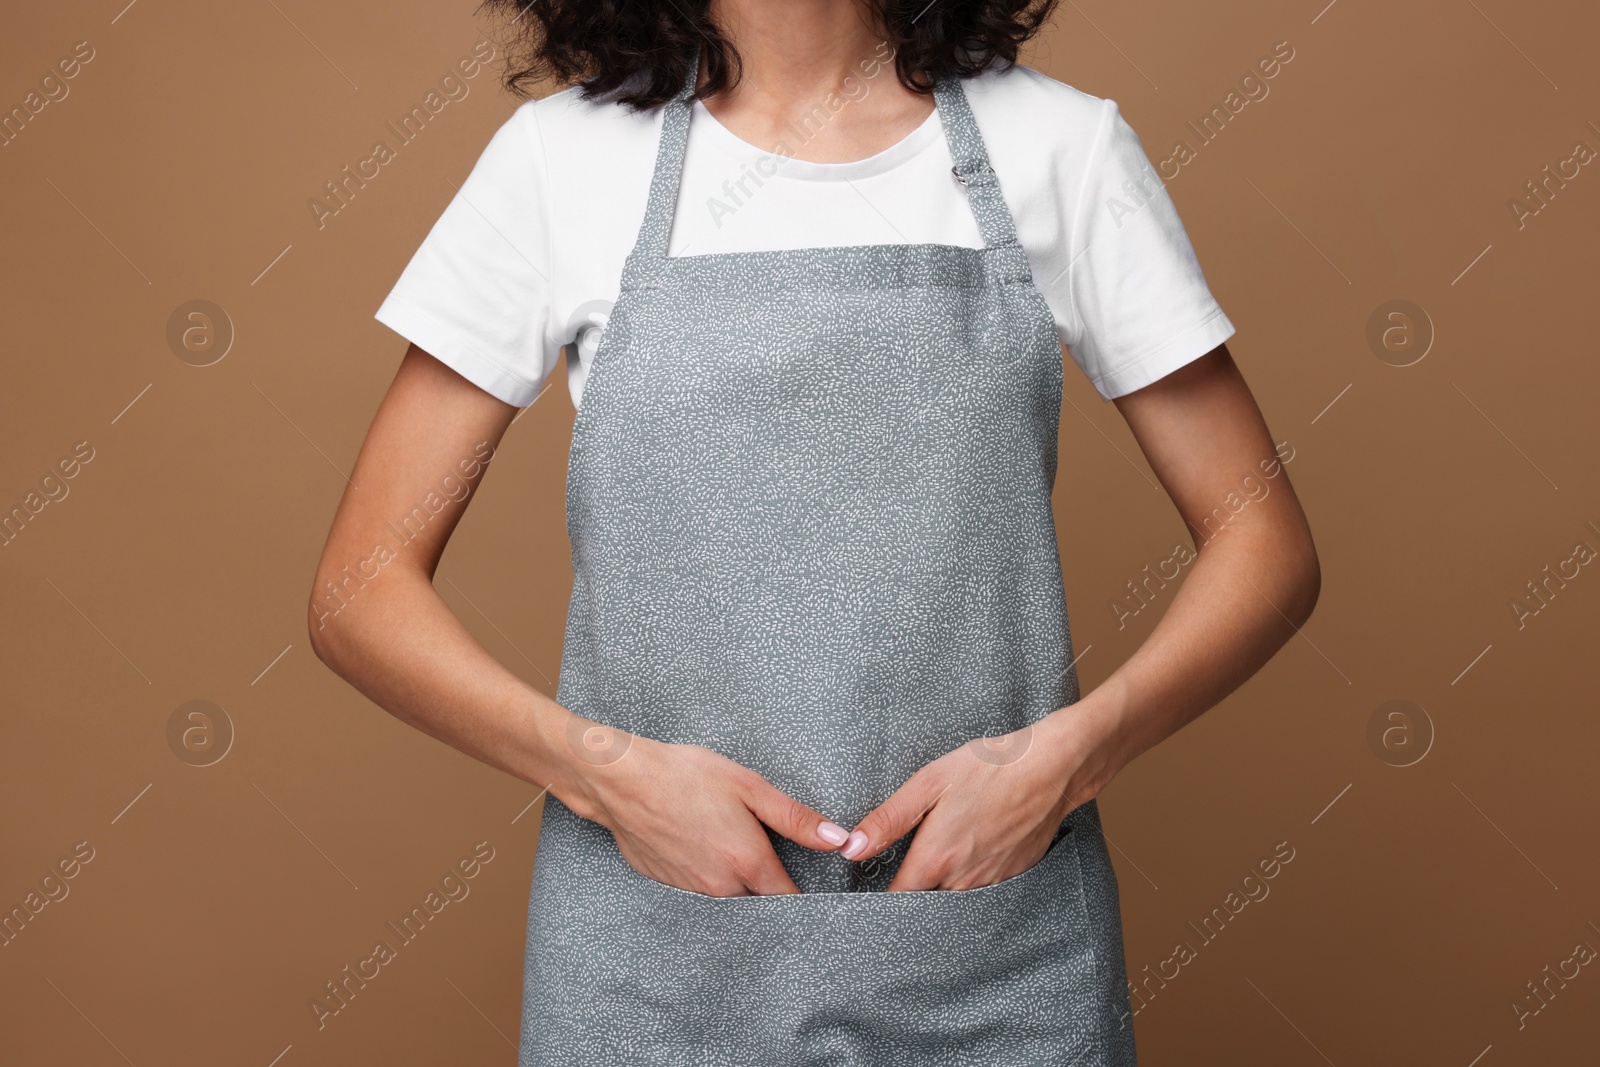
x=809, y=504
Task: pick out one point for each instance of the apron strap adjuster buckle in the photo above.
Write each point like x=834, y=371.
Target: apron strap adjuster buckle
x=981, y=170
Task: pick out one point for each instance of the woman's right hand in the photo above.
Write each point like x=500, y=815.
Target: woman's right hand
x=685, y=815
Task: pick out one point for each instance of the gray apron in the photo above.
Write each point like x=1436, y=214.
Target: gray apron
x=809, y=503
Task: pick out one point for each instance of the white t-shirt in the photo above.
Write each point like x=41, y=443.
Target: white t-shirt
x=528, y=256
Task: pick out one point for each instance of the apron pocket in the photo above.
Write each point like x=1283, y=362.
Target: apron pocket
x=920, y=976
x=1059, y=843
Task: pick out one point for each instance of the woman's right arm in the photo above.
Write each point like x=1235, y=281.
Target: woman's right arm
x=681, y=814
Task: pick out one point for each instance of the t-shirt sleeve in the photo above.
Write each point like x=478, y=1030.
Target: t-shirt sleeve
x=1142, y=305
x=476, y=294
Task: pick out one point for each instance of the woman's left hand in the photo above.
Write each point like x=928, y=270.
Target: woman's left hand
x=989, y=809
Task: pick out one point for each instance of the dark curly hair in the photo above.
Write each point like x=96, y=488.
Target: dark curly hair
x=637, y=52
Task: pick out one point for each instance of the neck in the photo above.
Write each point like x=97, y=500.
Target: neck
x=818, y=65
x=796, y=50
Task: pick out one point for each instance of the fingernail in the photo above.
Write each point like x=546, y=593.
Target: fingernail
x=833, y=833
x=856, y=846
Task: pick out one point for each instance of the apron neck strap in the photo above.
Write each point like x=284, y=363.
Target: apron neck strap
x=972, y=169
x=651, y=244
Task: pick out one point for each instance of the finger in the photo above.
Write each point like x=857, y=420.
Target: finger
x=895, y=817
x=763, y=873
x=791, y=818
x=919, y=870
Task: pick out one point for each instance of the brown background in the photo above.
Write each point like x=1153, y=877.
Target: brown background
x=220, y=899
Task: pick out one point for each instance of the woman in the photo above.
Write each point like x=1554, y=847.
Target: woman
x=821, y=784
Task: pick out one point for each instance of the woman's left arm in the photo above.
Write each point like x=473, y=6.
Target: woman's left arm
x=988, y=811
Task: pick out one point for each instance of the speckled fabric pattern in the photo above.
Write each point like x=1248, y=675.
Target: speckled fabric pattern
x=810, y=534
